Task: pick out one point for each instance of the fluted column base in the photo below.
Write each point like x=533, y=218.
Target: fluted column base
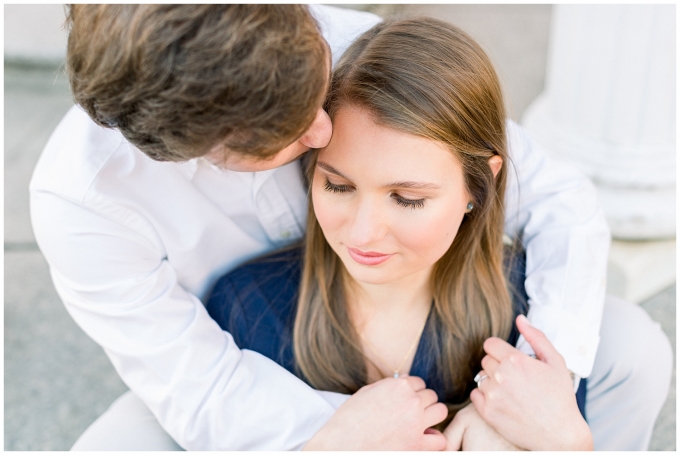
x=635, y=209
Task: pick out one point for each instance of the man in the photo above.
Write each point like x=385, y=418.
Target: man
x=180, y=165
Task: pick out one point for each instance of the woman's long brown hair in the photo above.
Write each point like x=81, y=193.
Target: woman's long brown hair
x=426, y=78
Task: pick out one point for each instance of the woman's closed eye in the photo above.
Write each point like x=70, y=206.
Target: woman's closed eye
x=409, y=203
x=402, y=201
x=328, y=186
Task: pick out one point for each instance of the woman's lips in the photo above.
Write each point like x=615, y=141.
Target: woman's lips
x=368, y=257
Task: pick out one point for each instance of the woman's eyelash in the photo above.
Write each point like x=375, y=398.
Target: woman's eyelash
x=409, y=203
x=328, y=186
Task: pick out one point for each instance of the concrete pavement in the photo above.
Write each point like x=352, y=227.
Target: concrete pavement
x=57, y=380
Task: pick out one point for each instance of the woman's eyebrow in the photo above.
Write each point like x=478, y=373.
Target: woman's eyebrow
x=406, y=185
x=413, y=185
x=331, y=169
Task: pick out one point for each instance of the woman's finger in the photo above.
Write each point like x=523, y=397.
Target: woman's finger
x=481, y=378
x=498, y=349
x=479, y=402
x=543, y=348
x=434, y=414
x=434, y=440
x=455, y=431
x=484, y=394
x=490, y=365
x=416, y=382
x=427, y=397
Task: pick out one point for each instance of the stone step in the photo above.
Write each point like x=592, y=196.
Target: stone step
x=639, y=270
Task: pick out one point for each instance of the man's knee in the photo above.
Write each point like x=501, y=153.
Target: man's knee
x=633, y=347
x=126, y=425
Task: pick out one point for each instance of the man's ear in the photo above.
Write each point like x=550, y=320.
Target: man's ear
x=495, y=163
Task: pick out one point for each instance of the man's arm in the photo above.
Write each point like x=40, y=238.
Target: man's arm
x=121, y=290
x=556, y=214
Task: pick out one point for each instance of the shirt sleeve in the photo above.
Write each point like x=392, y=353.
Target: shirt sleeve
x=342, y=26
x=119, y=287
x=553, y=209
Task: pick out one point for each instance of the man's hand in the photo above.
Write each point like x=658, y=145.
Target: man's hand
x=530, y=402
x=391, y=414
x=468, y=431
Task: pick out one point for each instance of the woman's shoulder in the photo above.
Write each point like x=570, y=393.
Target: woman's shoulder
x=257, y=300
x=277, y=267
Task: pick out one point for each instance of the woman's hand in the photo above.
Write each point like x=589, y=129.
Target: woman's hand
x=390, y=414
x=468, y=431
x=531, y=402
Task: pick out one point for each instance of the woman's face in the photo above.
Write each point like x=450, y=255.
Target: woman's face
x=388, y=202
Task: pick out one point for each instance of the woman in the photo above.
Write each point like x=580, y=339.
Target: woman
x=401, y=271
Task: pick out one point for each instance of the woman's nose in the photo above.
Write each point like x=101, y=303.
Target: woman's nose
x=319, y=134
x=367, y=226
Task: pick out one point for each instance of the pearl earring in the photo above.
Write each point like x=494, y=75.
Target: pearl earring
x=470, y=207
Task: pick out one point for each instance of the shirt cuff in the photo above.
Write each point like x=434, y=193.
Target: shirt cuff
x=576, y=339
x=335, y=399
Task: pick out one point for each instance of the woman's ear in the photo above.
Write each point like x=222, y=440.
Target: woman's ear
x=495, y=163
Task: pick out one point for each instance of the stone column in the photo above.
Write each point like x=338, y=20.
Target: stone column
x=609, y=109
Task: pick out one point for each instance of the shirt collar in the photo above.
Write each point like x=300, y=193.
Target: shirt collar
x=257, y=179
x=260, y=177
x=188, y=168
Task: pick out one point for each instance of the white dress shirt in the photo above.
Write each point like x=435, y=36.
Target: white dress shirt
x=134, y=247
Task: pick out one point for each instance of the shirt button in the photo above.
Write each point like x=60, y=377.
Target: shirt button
x=284, y=234
x=582, y=350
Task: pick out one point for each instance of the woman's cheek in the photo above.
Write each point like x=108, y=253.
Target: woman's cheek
x=430, y=236
x=328, y=212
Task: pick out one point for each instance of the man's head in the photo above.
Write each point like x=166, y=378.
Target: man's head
x=243, y=84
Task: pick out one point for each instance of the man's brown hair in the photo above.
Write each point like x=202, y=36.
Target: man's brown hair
x=178, y=80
